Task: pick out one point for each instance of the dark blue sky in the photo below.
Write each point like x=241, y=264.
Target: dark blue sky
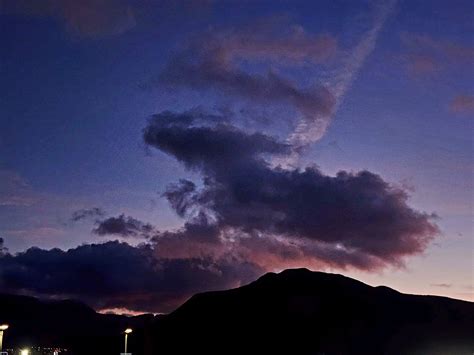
x=79, y=82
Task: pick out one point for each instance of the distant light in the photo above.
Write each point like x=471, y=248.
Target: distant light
x=4, y=327
x=128, y=330
x=24, y=352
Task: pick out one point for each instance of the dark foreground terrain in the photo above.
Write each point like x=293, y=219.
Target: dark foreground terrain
x=293, y=312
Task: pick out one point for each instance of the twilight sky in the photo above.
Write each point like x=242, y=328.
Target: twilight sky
x=154, y=149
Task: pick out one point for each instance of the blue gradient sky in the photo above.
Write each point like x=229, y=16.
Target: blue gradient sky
x=74, y=104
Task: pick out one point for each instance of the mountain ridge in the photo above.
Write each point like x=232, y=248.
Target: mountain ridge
x=296, y=311
x=309, y=312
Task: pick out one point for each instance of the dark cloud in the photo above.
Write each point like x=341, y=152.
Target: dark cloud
x=265, y=88
x=87, y=213
x=115, y=274
x=215, y=61
x=207, y=147
x=124, y=226
x=197, y=239
x=182, y=197
x=357, y=217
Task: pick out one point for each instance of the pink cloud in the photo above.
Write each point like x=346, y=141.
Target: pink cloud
x=463, y=104
x=426, y=55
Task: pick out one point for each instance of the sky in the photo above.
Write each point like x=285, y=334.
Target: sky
x=154, y=149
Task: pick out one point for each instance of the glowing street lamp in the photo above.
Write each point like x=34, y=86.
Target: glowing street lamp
x=3, y=327
x=24, y=352
x=127, y=331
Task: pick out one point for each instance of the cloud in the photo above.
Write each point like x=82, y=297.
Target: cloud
x=124, y=226
x=443, y=285
x=15, y=191
x=207, y=147
x=267, y=88
x=93, y=19
x=87, y=18
x=353, y=216
x=463, y=104
x=197, y=239
x=87, y=213
x=41, y=231
x=271, y=39
x=422, y=64
x=117, y=275
x=225, y=61
x=425, y=55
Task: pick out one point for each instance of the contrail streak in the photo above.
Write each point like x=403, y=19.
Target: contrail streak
x=308, y=132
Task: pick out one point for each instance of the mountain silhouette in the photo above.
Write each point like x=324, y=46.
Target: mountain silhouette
x=293, y=312
x=302, y=312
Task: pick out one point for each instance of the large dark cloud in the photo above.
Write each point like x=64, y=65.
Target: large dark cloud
x=207, y=147
x=115, y=274
x=350, y=216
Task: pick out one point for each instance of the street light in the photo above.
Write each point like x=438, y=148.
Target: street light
x=24, y=352
x=3, y=327
x=127, y=331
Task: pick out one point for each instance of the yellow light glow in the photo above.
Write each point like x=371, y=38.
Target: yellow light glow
x=4, y=327
x=128, y=330
x=24, y=352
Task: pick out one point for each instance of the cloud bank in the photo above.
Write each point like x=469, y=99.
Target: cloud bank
x=115, y=274
x=247, y=216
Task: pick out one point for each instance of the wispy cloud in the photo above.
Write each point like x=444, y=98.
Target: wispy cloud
x=15, y=191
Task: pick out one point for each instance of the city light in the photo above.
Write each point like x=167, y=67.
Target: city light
x=25, y=352
x=128, y=330
x=3, y=327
